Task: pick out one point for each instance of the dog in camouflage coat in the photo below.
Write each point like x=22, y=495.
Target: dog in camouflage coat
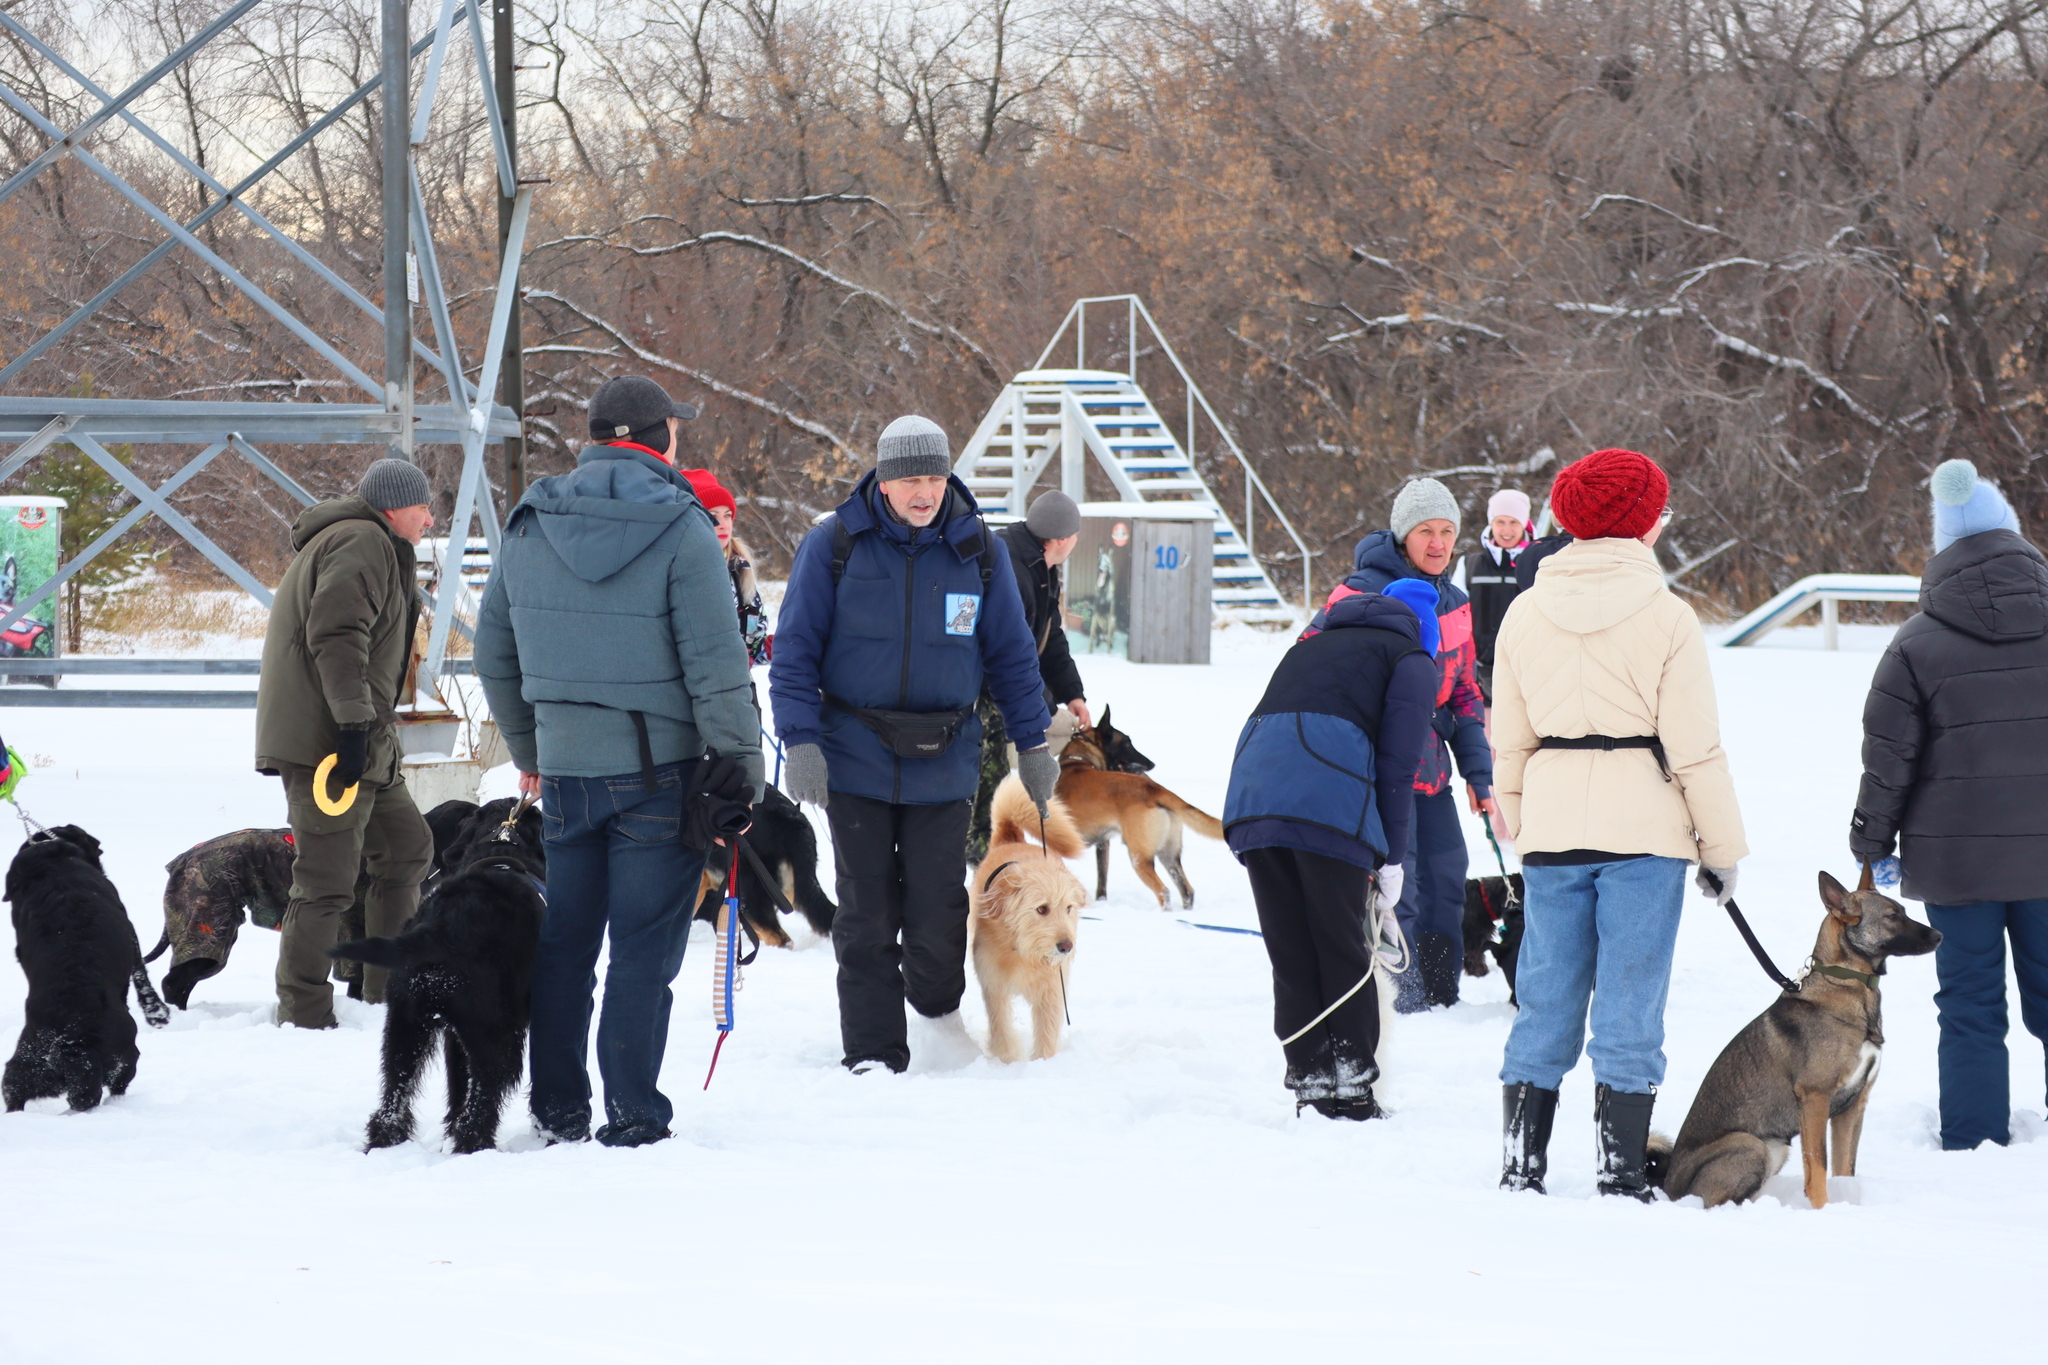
x=211, y=887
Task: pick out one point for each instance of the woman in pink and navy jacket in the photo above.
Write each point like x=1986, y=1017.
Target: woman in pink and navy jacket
x=1421, y=542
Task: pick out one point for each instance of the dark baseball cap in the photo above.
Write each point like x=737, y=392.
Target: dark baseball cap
x=629, y=403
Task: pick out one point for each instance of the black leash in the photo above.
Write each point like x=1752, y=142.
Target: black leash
x=1786, y=983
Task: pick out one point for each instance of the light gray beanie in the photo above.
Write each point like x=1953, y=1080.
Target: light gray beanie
x=388, y=484
x=1053, y=516
x=1422, y=500
x=912, y=446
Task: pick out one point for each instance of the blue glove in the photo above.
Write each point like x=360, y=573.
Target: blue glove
x=1885, y=872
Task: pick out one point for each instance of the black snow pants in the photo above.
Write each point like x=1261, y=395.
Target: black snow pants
x=1312, y=911
x=901, y=930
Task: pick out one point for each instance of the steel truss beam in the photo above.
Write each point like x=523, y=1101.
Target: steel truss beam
x=471, y=417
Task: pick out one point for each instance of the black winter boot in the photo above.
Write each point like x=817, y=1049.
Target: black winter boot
x=1442, y=958
x=1623, y=1120
x=1526, y=1115
x=1355, y=1107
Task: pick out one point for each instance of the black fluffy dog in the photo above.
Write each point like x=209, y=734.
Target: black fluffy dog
x=78, y=949
x=1493, y=903
x=462, y=972
x=782, y=839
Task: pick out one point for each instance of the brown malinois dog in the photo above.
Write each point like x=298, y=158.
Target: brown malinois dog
x=1103, y=802
x=1804, y=1066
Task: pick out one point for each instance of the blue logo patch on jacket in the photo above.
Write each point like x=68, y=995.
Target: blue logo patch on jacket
x=963, y=609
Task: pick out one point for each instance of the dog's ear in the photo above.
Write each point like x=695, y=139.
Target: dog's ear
x=1836, y=898
x=1103, y=727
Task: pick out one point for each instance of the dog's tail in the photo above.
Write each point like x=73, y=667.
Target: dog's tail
x=162, y=943
x=1196, y=819
x=407, y=950
x=1013, y=819
x=1657, y=1160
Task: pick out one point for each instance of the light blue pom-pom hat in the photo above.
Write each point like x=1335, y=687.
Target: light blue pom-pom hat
x=1965, y=505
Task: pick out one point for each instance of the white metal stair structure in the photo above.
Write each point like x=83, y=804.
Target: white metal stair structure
x=1079, y=413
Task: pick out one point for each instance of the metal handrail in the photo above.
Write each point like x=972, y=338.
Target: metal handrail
x=1077, y=316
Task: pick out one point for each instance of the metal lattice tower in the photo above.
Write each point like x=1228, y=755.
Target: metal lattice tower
x=471, y=418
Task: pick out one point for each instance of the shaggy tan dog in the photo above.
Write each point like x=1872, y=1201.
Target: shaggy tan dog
x=1027, y=914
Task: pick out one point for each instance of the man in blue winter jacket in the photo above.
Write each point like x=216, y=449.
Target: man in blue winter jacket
x=606, y=647
x=1418, y=545
x=900, y=607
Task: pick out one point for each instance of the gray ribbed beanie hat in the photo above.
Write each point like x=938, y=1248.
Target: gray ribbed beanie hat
x=1053, y=516
x=1419, y=501
x=394, y=483
x=911, y=446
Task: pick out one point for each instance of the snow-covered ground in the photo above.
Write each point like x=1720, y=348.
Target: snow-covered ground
x=1146, y=1195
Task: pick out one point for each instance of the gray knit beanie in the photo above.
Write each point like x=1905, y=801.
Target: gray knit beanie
x=911, y=446
x=1419, y=501
x=394, y=483
x=1053, y=516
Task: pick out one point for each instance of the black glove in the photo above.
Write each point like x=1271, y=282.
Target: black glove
x=351, y=756
x=716, y=804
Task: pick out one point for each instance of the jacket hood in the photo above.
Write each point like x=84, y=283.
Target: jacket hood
x=1590, y=585
x=322, y=515
x=1381, y=553
x=1993, y=585
x=602, y=515
x=1376, y=612
x=957, y=523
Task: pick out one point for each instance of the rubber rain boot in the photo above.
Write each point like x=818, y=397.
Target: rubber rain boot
x=1527, y=1112
x=1623, y=1121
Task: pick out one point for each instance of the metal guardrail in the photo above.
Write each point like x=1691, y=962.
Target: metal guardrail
x=1077, y=317
x=138, y=698
x=1827, y=591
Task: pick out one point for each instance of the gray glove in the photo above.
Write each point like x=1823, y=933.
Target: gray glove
x=803, y=774
x=1705, y=878
x=1039, y=771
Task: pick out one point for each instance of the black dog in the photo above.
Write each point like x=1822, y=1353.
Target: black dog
x=78, y=949
x=446, y=822
x=782, y=838
x=462, y=972
x=1493, y=904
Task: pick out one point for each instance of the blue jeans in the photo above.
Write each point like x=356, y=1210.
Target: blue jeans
x=617, y=863
x=1976, y=1073
x=1604, y=933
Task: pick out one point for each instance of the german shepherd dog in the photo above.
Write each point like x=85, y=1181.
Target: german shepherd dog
x=78, y=949
x=1104, y=787
x=1493, y=925
x=1026, y=920
x=1804, y=1066
x=783, y=839
x=461, y=974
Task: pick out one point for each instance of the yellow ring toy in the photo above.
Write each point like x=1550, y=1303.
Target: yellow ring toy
x=348, y=798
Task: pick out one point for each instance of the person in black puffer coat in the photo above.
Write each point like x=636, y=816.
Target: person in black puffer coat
x=1321, y=804
x=1955, y=771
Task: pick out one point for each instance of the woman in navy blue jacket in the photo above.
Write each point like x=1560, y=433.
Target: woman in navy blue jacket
x=1321, y=803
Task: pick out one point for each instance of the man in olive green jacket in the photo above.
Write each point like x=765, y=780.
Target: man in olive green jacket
x=334, y=664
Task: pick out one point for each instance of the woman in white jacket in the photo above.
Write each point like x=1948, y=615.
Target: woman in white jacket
x=1609, y=767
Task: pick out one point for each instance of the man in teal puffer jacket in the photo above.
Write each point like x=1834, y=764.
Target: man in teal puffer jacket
x=606, y=648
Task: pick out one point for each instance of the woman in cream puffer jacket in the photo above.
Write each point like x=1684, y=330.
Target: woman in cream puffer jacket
x=1599, y=647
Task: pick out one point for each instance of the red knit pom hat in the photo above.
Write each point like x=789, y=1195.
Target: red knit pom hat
x=1618, y=493
x=709, y=491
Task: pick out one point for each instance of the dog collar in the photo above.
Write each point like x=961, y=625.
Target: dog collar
x=1847, y=974
x=995, y=874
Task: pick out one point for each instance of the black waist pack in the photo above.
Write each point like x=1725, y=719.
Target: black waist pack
x=909, y=734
